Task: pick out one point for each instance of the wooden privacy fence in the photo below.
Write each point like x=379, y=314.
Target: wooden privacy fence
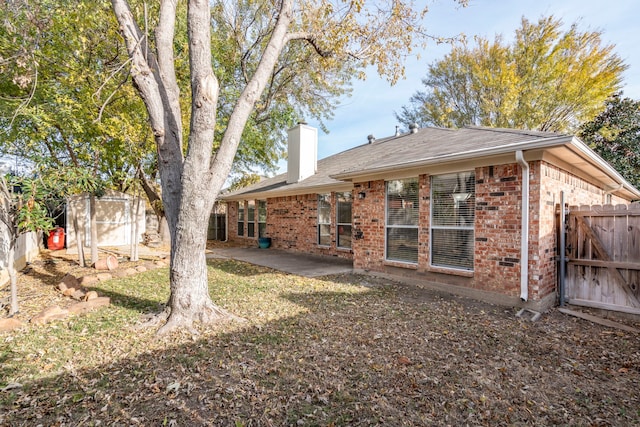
x=603, y=249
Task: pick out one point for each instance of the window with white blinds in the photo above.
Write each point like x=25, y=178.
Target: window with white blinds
x=402, y=214
x=240, y=218
x=452, y=220
x=343, y=212
x=324, y=219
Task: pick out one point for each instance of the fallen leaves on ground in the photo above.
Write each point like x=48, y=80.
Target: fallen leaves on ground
x=335, y=351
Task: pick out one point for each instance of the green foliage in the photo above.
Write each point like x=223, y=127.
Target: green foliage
x=545, y=79
x=67, y=100
x=24, y=205
x=244, y=180
x=615, y=135
x=302, y=84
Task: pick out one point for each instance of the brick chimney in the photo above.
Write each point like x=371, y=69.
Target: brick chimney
x=302, y=156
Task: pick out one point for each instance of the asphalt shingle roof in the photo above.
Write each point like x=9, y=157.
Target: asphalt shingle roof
x=398, y=151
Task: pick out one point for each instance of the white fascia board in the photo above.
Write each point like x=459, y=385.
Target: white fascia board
x=591, y=156
x=317, y=189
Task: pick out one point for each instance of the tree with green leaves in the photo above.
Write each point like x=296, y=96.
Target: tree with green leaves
x=547, y=79
x=68, y=101
x=615, y=135
x=332, y=36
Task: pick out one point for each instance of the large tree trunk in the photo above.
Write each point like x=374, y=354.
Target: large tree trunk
x=190, y=185
x=190, y=300
x=156, y=203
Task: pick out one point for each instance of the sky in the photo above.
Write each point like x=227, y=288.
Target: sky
x=371, y=108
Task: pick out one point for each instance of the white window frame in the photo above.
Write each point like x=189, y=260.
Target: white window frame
x=470, y=190
x=241, y=210
x=338, y=223
x=399, y=226
x=251, y=222
x=262, y=204
x=320, y=224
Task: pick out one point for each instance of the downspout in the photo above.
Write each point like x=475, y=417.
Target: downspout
x=524, y=238
x=226, y=223
x=609, y=191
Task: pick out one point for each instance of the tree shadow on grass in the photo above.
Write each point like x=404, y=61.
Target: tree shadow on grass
x=354, y=357
x=238, y=268
x=144, y=292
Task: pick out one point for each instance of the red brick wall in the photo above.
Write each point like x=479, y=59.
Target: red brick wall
x=292, y=224
x=497, y=229
x=497, y=252
x=369, y=217
x=232, y=221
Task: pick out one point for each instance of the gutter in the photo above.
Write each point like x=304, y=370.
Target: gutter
x=621, y=183
x=287, y=191
x=226, y=223
x=611, y=190
x=524, y=229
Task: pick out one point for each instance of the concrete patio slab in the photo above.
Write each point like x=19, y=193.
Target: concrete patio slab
x=295, y=263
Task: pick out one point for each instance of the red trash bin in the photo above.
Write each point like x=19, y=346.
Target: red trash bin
x=55, y=241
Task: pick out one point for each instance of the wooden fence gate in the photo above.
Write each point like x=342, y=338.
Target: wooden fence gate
x=603, y=250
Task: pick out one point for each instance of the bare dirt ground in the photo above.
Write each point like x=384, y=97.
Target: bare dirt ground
x=342, y=350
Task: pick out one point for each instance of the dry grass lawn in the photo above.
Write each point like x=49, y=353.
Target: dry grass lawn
x=337, y=351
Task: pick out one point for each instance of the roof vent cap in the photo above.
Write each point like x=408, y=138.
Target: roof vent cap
x=413, y=127
x=371, y=138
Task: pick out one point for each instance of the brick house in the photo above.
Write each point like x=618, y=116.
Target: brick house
x=442, y=206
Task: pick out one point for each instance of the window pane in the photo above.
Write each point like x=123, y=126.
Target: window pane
x=324, y=234
x=240, y=218
x=453, y=216
x=344, y=208
x=262, y=228
x=324, y=209
x=251, y=228
x=453, y=199
x=402, y=220
x=344, y=236
x=402, y=244
x=262, y=211
x=452, y=248
x=240, y=211
x=251, y=211
x=402, y=202
x=324, y=219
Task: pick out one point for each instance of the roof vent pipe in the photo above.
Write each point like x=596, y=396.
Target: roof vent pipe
x=371, y=138
x=397, y=130
x=413, y=128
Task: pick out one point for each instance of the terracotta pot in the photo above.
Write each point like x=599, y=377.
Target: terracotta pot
x=108, y=263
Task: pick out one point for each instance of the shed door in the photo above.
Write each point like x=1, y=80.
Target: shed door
x=113, y=221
